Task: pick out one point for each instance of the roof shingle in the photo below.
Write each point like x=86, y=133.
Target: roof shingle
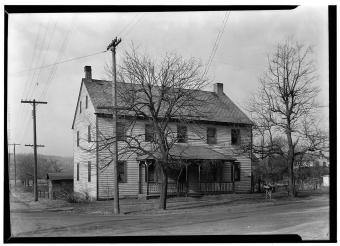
x=218, y=108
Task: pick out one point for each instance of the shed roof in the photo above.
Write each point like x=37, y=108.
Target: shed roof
x=191, y=152
x=60, y=176
x=218, y=108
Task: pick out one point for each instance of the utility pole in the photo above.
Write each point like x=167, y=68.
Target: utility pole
x=34, y=102
x=112, y=46
x=35, y=174
x=15, y=165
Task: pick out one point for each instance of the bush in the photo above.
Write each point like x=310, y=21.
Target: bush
x=77, y=197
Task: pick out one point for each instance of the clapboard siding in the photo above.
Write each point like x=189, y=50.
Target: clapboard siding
x=101, y=128
x=105, y=182
x=196, y=136
x=86, y=151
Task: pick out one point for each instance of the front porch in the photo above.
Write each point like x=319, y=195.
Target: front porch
x=198, y=171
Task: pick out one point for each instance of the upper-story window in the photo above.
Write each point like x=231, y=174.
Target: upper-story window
x=235, y=136
x=182, y=133
x=149, y=133
x=211, y=135
x=80, y=107
x=86, y=102
x=121, y=131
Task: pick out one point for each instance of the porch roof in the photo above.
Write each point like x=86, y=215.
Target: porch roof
x=190, y=152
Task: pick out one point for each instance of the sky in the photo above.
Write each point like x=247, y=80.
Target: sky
x=39, y=40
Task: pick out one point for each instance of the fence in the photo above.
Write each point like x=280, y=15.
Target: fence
x=304, y=185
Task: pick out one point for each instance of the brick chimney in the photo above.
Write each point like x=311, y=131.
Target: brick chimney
x=88, y=72
x=218, y=88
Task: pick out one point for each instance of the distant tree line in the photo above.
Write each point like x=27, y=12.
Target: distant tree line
x=46, y=164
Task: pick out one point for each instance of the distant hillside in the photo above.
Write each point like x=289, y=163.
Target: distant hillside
x=46, y=163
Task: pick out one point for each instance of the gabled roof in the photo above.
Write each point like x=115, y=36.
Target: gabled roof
x=218, y=108
x=59, y=176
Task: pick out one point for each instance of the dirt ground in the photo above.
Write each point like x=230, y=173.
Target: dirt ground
x=227, y=214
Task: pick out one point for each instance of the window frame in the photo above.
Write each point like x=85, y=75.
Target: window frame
x=237, y=169
x=149, y=134
x=238, y=136
x=210, y=137
x=86, y=102
x=124, y=164
x=180, y=138
x=148, y=177
x=121, y=134
x=80, y=107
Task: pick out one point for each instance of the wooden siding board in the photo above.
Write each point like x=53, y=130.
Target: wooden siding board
x=86, y=151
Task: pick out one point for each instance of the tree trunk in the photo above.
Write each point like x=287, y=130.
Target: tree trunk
x=291, y=185
x=164, y=189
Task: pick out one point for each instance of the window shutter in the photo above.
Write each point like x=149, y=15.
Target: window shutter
x=89, y=133
x=89, y=171
x=77, y=138
x=125, y=172
x=77, y=171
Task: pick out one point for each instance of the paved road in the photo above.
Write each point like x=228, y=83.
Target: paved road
x=309, y=218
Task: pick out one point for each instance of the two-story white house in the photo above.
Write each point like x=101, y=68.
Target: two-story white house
x=214, y=163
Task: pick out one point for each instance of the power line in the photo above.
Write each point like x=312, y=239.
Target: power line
x=216, y=44
x=54, y=68
x=57, y=63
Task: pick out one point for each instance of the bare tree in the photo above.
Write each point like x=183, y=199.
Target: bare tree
x=285, y=104
x=159, y=92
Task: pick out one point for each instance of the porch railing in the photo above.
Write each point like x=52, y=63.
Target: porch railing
x=219, y=187
x=155, y=188
x=206, y=188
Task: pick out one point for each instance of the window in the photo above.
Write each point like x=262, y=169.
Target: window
x=182, y=133
x=121, y=131
x=149, y=133
x=235, y=136
x=77, y=138
x=211, y=135
x=80, y=107
x=150, y=173
x=89, y=133
x=77, y=171
x=86, y=102
x=122, y=177
x=89, y=171
x=237, y=171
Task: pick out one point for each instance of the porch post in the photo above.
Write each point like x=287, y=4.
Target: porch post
x=147, y=178
x=186, y=179
x=199, y=176
x=233, y=175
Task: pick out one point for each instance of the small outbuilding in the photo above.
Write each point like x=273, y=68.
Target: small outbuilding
x=59, y=184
